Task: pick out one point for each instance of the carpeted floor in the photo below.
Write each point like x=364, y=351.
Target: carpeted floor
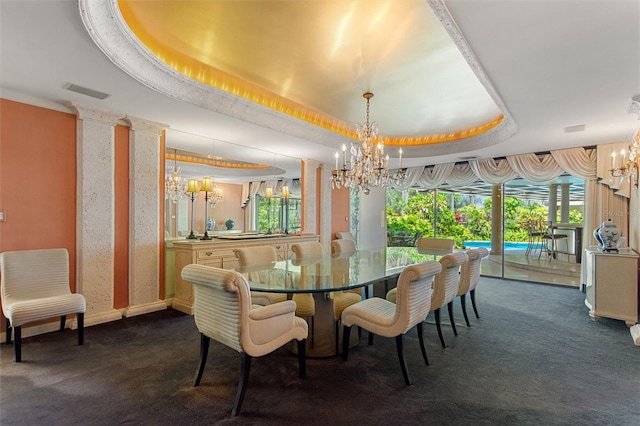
x=534, y=358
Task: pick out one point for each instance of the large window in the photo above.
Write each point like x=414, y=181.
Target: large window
x=277, y=215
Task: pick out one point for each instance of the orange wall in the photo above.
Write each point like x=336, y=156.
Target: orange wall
x=121, y=229
x=339, y=211
x=38, y=180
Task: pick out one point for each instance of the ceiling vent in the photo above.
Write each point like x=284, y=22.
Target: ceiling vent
x=85, y=91
x=469, y=158
x=574, y=129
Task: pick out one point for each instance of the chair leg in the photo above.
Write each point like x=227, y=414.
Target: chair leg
x=245, y=368
x=17, y=331
x=437, y=315
x=451, y=320
x=337, y=339
x=473, y=302
x=346, y=331
x=370, y=338
x=63, y=320
x=302, y=357
x=403, y=363
x=80, y=319
x=424, y=351
x=204, y=351
x=8, y=330
x=463, y=303
x=313, y=322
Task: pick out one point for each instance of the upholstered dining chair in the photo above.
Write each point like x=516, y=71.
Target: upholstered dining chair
x=389, y=319
x=444, y=244
x=35, y=286
x=341, y=251
x=307, y=254
x=222, y=311
x=475, y=278
x=467, y=271
x=260, y=258
x=445, y=289
x=344, y=236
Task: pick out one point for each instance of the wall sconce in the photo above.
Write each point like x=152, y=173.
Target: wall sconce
x=206, y=187
x=192, y=187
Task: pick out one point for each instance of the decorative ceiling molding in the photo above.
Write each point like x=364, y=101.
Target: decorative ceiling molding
x=111, y=34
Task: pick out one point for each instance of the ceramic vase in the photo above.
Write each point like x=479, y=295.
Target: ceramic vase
x=608, y=234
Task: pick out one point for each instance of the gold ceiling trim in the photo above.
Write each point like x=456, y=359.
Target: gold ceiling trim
x=210, y=160
x=214, y=77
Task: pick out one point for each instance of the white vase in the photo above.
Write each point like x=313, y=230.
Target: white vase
x=608, y=234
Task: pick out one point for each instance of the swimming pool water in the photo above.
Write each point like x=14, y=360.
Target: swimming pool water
x=508, y=245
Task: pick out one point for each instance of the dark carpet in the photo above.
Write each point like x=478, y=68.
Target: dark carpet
x=534, y=358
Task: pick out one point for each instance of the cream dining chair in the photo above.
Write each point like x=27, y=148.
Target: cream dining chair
x=389, y=319
x=262, y=259
x=341, y=251
x=222, y=311
x=444, y=244
x=307, y=254
x=467, y=271
x=475, y=279
x=35, y=287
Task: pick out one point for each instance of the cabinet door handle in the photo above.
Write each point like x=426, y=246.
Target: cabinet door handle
x=208, y=253
x=278, y=247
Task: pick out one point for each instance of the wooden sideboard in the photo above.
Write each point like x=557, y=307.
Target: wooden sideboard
x=612, y=284
x=221, y=254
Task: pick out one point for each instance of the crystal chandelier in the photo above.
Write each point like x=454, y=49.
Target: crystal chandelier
x=216, y=195
x=368, y=166
x=175, y=187
x=628, y=169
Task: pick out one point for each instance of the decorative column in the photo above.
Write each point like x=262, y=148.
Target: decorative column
x=316, y=196
x=564, y=203
x=496, y=219
x=553, y=203
x=95, y=215
x=144, y=217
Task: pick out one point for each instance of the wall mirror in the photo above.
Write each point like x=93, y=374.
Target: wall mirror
x=259, y=207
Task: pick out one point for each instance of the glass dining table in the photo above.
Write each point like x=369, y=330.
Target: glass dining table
x=323, y=276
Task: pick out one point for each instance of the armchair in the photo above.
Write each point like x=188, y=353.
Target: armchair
x=222, y=311
x=35, y=286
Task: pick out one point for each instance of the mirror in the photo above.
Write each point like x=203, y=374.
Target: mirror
x=231, y=168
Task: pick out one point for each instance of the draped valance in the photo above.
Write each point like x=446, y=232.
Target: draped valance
x=578, y=162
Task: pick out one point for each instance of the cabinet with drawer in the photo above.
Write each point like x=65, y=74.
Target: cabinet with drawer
x=221, y=254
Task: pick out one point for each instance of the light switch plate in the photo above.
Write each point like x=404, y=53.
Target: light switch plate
x=2, y=215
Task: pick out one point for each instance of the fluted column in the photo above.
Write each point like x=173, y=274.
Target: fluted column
x=316, y=197
x=95, y=211
x=144, y=217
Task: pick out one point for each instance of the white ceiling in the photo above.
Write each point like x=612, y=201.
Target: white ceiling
x=554, y=64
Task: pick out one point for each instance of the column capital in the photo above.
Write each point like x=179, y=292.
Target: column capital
x=86, y=112
x=146, y=126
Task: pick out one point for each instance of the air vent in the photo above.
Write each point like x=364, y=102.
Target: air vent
x=469, y=158
x=574, y=129
x=86, y=91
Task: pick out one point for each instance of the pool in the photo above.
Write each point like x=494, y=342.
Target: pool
x=508, y=245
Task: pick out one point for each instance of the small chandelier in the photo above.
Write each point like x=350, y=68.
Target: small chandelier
x=175, y=186
x=216, y=195
x=628, y=170
x=368, y=166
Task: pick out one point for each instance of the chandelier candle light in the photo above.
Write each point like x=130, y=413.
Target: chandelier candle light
x=368, y=166
x=628, y=171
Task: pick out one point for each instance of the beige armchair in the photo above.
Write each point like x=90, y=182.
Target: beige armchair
x=257, y=263
x=344, y=236
x=222, y=311
x=388, y=319
x=35, y=286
